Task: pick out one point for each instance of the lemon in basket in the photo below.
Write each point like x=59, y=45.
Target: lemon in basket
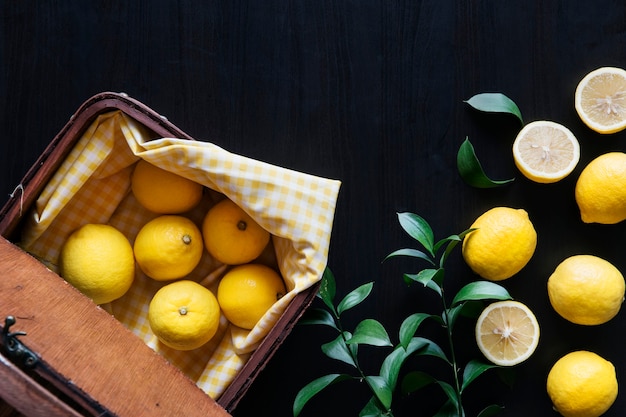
x=601, y=189
x=168, y=247
x=184, y=315
x=246, y=292
x=586, y=290
x=98, y=260
x=600, y=100
x=582, y=384
x=545, y=151
x=231, y=236
x=507, y=332
x=162, y=191
x=502, y=244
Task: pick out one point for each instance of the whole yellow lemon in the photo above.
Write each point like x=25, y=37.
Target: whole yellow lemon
x=168, y=247
x=162, y=191
x=582, y=384
x=601, y=189
x=184, y=315
x=586, y=289
x=98, y=260
x=246, y=292
x=502, y=244
x=231, y=236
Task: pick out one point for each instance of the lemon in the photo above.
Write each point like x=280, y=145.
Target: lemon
x=507, y=332
x=601, y=189
x=600, y=99
x=246, y=292
x=586, y=289
x=231, y=236
x=168, y=247
x=184, y=315
x=582, y=384
x=545, y=151
x=98, y=260
x=162, y=191
x=502, y=245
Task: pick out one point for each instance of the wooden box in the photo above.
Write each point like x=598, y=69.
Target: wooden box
x=75, y=358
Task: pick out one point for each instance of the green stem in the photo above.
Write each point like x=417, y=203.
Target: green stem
x=455, y=369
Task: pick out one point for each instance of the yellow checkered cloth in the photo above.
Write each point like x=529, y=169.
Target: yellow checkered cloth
x=93, y=186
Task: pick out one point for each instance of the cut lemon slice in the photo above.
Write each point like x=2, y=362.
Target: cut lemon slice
x=546, y=151
x=600, y=99
x=507, y=332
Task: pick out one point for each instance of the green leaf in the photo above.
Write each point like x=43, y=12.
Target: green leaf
x=318, y=316
x=424, y=278
x=495, y=103
x=481, y=290
x=409, y=327
x=413, y=253
x=491, y=411
x=449, y=409
x=327, y=289
x=390, y=369
x=373, y=408
x=313, y=388
x=379, y=387
x=450, y=393
x=471, y=170
x=452, y=314
x=425, y=275
x=416, y=380
x=473, y=370
x=418, y=229
x=355, y=297
x=426, y=347
x=370, y=332
x=338, y=350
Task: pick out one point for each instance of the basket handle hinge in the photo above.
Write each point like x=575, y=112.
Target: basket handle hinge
x=14, y=348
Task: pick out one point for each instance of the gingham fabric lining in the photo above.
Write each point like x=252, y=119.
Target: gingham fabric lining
x=93, y=186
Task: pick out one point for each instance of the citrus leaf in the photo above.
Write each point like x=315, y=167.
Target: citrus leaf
x=416, y=380
x=490, y=411
x=418, y=229
x=338, y=350
x=481, y=290
x=313, y=388
x=452, y=314
x=327, y=289
x=370, y=332
x=425, y=276
x=426, y=347
x=413, y=253
x=409, y=327
x=473, y=370
x=379, y=387
x=390, y=369
x=318, y=316
x=450, y=409
x=453, y=401
x=471, y=170
x=373, y=409
x=495, y=103
x=355, y=297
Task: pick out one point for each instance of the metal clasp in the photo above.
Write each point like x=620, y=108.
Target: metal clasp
x=14, y=348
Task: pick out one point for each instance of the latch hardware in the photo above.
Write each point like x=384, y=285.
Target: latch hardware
x=14, y=348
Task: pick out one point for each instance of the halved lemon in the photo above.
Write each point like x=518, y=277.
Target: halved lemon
x=600, y=99
x=507, y=332
x=546, y=151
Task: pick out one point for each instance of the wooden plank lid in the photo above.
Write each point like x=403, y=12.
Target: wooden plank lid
x=89, y=347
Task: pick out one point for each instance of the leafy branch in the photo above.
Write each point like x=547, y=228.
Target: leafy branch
x=383, y=386
x=468, y=165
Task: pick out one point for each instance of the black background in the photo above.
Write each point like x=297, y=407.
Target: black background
x=367, y=92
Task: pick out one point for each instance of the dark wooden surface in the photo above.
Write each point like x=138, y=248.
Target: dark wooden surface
x=368, y=92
